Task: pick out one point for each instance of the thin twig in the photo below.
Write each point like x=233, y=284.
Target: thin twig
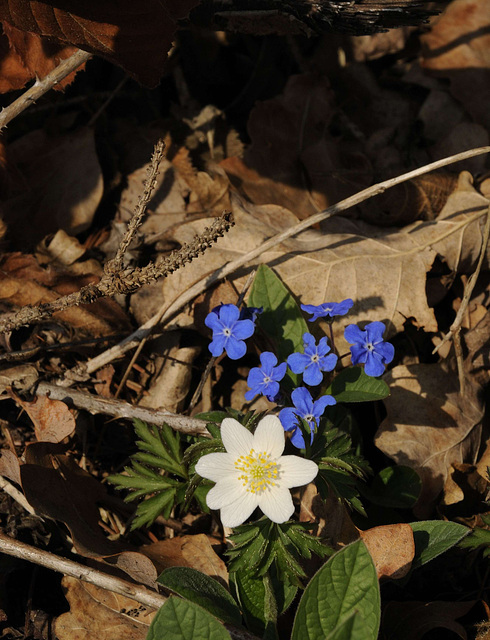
x=141, y=594
x=119, y=409
x=40, y=87
x=117, y=263
x=167, y=312
x=127, y=281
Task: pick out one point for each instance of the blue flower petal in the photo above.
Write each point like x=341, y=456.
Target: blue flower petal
x=288, y=418
x=352, y=333
x=268, y=360
x=243, y=329
x=343, y=307
x=297, y=439
x=298, y=362
x=308, y=341
x=279, y=372
x=229, y=314
x=235, y=349
x=386, y=350
x=320, y=405
x=312, y=374
x=213, y=322
x=327, y=363
x=217, y=346
x=373, y=367
x=374, y=332
x=302, y=400
x=358, y=354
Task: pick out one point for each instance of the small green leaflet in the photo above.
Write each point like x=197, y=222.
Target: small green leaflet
x=353, y=385
x=433, y=537
x=281, y=319
x=346, y=583
x=183, y=620
x=396, y=487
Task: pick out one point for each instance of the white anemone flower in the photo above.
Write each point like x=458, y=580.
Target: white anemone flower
x=253, y=473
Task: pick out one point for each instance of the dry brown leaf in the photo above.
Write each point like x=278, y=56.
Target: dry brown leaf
x=23, y=375
x=382, y=270
x=9, y=465
x=457, y=47
x=392, y=549
x=25, y=56
x=57, y=183
x=378, y=44
x=24, y=282
x=95, y=612
x=429, y=426
x=53, y=420
x=187, y=551
x=135, y=36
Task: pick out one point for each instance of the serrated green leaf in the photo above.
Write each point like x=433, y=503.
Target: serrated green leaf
x=345, y=583
x=281, y=319
x=477, y=538
x=433, y=537
x=196, y=451
x=396, y=487
x=183, y=620
x=353, y=385
x=149, y=510
x=202, y=590
x=216, y=417
x=257, y=600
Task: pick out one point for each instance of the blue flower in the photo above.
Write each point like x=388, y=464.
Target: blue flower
x=328, y=309
x=369, y=347
x=229, y=331
x=313, y=361
x=305, y=408
x=265, y=379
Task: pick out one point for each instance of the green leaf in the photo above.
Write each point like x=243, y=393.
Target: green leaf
x=433, y=537
x=202, y=590
x=350, y=628
x=395, y=487
x=477, y=538
x=353, y=385
x=281, y=319
x=345, y=583
x=183, y=620
x=257, y=600
x=149, y=510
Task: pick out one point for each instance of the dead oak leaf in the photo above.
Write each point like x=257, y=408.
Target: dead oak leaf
x=25, y=56
x=429, y=426
x=53, y=421
x=133, y=35
x=392, y=549
x=96, y=612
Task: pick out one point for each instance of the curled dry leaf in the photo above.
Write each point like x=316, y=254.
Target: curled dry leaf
x=25, y=56
x=9, y=466
x=53, y=420
x=392, y=549
x=96, y=612
x=133, y=35
x=429, y=426
x=457, y=47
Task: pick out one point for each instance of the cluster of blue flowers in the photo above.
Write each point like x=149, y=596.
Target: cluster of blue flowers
x=231, y=327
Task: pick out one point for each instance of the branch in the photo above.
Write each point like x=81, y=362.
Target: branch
x=120, y=409
x=40, y=87
x=145, y=596
x=167, y=312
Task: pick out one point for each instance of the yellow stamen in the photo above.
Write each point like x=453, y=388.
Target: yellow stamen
x=258, y=471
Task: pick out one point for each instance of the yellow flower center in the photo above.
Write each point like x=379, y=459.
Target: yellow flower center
x=258, y=471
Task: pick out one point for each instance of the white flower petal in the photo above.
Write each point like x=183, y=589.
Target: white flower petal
x=296, y=471
x=269, y=436
x=234, y=514
x=225, y=492
x=277, y=504
x=215, y=466
x=237, y=440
